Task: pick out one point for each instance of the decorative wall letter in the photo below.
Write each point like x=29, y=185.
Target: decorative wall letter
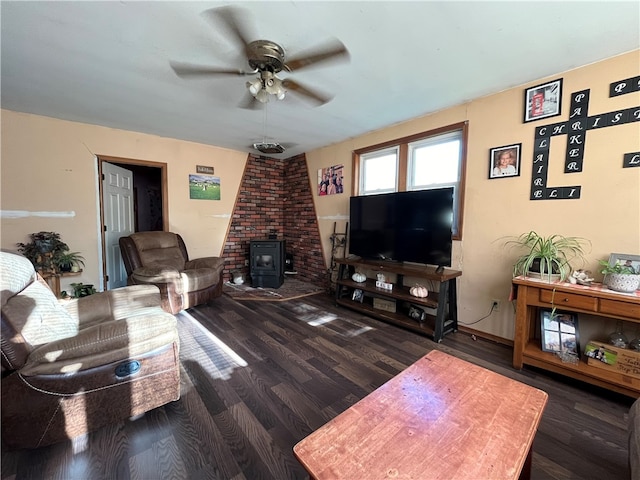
x=576, y=130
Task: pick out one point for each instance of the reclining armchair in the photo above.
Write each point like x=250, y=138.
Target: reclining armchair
x=73, y=368
x=161, y=259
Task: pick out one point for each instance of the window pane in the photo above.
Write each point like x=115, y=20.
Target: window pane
x=436, y=164
x=379, y=172
x=435, y=161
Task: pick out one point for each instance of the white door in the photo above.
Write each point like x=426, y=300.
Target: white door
x=117, y=201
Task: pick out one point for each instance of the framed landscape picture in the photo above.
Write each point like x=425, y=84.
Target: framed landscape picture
x=204, y=187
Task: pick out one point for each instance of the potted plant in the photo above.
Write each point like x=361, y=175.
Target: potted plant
x=546, y=257
x=43, y=249
x=68, y=261
x=82, y=290
x=619, y=277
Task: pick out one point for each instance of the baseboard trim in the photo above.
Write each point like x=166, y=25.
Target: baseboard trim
x=486, y=336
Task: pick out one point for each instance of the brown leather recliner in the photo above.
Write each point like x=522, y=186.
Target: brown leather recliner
x=73, y=368
x=161, y=258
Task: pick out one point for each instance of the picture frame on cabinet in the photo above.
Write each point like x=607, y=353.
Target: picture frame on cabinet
x=632, y=261
x=505, y=161
x=358, y=295
x=559, y=332
x=543, y=101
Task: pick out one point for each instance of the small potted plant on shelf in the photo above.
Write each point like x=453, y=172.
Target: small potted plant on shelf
x=546, y=257
x=69, y=261
x=82, y=290
x=620, y=277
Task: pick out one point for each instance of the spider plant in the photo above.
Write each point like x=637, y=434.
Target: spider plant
x=548, y=255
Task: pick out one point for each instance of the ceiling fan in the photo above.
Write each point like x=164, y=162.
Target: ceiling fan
x=266, y=59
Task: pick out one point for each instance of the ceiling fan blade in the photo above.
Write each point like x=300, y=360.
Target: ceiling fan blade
x=311, y=94
x=191, y=70
x=333, y=50
x=236, y=21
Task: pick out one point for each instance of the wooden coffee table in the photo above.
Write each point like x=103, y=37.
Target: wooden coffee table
x=440, y=418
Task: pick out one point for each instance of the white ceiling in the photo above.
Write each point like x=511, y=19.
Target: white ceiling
x=107, y=63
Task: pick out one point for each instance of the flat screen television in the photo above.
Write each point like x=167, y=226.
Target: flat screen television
x=410, y=226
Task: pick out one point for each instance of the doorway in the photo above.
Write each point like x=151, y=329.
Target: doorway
x=133, y=198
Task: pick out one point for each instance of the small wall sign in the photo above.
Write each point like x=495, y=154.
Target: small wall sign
x=204, y=169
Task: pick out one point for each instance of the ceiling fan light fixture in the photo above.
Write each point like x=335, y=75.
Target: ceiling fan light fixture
x=262, y=96
x=255, y=86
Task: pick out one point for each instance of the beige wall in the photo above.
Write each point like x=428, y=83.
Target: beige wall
x=607, y=214
x=49, y=166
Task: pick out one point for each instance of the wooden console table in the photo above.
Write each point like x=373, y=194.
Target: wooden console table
x=441, y=418
x=444, y=300
x=532, y=295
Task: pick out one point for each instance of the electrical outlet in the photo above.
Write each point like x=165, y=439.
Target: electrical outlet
x=246, y=263
x=496, y=305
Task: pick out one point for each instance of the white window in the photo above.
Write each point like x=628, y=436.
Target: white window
x=434, y=159
x=379, y=172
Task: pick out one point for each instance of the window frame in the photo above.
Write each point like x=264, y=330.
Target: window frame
x=403, y=164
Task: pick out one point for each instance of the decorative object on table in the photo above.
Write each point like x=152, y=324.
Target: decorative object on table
x=384, y=285
x=419, y=291
x=618, y=338
x=543, y=101
x=238, y=278
x=620, y=360
x=505, y=161
x=581, y=277
x=417, y=314
x=621, y=272
x=358, y=295
x=383, y=304
x=559, y=332
x=546, y=257
x=380, y=277
x=358, y=277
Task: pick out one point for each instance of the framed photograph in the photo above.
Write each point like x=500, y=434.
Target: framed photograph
x=559, y=332
x=330, y=180
x=543, y=101
x=632, y=261
x=204, y=187
x=358, y=295
x=505, y=161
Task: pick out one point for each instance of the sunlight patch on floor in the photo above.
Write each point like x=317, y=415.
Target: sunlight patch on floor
x=360, y=331
x=312, y=315
x=316, y=317
x=225, y=358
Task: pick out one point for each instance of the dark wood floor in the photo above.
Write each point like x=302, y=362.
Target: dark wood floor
x=260, y=376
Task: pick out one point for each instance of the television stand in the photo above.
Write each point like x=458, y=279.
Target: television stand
x=393, y=305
